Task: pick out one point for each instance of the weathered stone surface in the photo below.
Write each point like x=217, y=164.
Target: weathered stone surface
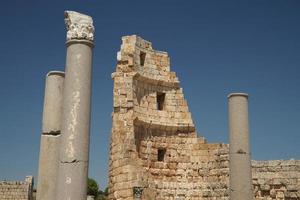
x=17, y=190
x=50, y=138
x=53, y=98
x=79, y=26
x=159, y=150
x=74, y=144
x=141, y=131
x=48, y=167
x=240, y=179
x=276, y=179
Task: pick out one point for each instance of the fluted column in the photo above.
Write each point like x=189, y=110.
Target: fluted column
x=49, y=146
x=74, y=151
x=239, y=149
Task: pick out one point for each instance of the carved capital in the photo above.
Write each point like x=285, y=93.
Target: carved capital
x=79, y=26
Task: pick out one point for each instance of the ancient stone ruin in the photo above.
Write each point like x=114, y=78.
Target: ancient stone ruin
x=17, y=190
x=64, y=151
x=155, y=152
x=76, y=108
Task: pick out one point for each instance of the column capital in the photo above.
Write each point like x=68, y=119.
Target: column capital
x=79, y=26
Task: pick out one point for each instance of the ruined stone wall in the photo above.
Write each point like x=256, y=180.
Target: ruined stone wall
x=16, y=190
x=191, y=169
x=154, y=143
x=276, y=179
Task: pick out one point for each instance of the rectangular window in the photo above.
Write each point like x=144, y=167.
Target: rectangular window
x=160, y=100
x=142, y=58
x=161, y=155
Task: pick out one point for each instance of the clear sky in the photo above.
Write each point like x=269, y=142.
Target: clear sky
x=216, y=47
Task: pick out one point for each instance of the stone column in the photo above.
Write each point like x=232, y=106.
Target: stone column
x=239, y=149
x=49, y=147
x=74, y=151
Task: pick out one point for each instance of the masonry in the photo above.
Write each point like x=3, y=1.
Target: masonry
x=155, y=151
x=17, y=190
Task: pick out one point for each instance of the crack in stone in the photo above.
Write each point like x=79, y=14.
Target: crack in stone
x=72, y=161
x=54, y=133
x=241, y=151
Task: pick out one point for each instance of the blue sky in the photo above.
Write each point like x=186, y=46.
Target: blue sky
x=216, y=47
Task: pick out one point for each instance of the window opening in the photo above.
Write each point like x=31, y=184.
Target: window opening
x=161, y=155
x=160, y=101
x=142, y=58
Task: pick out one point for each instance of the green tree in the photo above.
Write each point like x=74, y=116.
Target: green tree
x=106, y=191
x=92, y=187
x=102, y=195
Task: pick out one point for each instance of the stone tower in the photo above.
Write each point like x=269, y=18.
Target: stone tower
x=150, y=118
x=155, y=152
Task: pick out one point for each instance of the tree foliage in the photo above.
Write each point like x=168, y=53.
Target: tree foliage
x=92, y=187
x=106, y=191
x=102, y=195
x=93, y=190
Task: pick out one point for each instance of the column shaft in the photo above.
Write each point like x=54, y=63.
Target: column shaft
x=76, y=123
x=239, y=150
x=49, y=146
x=74, y=154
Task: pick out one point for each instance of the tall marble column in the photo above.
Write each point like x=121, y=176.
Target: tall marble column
x=49, y=147
x=239, y=149
x=74, y=151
